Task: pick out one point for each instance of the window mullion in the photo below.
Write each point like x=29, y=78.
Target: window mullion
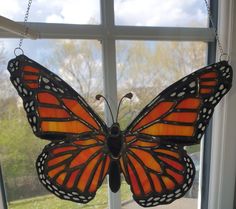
x=164, y=33
x=110, y=82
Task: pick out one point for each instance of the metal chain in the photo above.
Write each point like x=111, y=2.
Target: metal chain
x=19, y=48
x=222, y=53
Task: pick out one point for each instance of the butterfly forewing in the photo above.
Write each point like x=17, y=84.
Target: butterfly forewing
x=54, y=109
x=181, y=113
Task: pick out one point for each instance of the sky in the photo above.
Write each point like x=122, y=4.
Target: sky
x=136, y=12
x=180, y=13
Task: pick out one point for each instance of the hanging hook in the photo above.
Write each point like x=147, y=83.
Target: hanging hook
x=20, y=50
x=224, y=56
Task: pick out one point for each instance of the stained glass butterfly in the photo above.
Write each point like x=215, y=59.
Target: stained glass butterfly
x=149, y=152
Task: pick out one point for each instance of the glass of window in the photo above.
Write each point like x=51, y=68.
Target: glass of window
x=54, y=11
x=169, y=13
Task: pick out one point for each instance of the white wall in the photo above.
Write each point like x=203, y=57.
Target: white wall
x=223, y=161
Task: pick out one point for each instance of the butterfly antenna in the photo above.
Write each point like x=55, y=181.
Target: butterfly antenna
x=129, y=96
x=98, y=97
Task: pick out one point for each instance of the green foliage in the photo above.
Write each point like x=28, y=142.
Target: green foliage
x=18, y=150
x=52, y=202
x=193, y=148
x=18, y=144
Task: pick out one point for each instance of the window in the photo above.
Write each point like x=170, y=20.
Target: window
x=112, y=55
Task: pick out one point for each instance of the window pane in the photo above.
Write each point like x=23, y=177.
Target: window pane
x=54, y=11
x=182, y=13
x=146, y=68
x=77, y=62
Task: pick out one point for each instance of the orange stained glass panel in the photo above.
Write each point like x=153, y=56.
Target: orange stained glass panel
x=170, y=185
x=208, y=83
x=55, y=171
x=47, y=98
x=172, y=163
x=205, y=91
x=63, y=149
x=161, y=129
x=190, y=103
x=64, y=126
x=78, y=110
x=48, y=112
x=134, y=182
x=85, y=142
x=72, y=178
x=61, y=178
x=168, y=152
x=100, y=137
x=94, y=183
x=84, y=156
x=154, y=114
x=30, y=77
x=209, y=75
x=179, y=178
x=186, y=117
x=57, y=160
x=144, y=144
x=129, y=139
x=33, y=85
x=147, y=159
x=141, y=175
x=30, y=69
x=156, y=182
x=87, y=173
x=106, y=166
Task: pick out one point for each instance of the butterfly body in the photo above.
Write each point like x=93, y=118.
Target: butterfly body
x=115, y=141
x=149, y=153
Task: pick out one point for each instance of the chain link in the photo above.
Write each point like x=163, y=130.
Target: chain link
x=19, y=48
x=222, y=53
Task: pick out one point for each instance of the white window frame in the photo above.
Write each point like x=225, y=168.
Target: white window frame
x=221, y=195
x=223, y=151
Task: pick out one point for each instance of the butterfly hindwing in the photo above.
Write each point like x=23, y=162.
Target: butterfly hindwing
x=54, y=109
x=157, y=173
x=74, y=170
x=181, y=113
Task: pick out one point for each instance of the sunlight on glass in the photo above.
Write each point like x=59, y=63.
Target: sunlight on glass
x=54, y=11
x=146, y=68
x=79, y=64
x=184, y=13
